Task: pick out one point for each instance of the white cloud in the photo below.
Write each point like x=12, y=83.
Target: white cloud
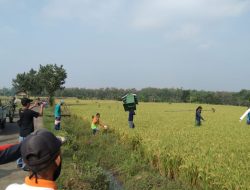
x=185, y=32
x=176, y=19
x=145, y=13
x=83, y=10
x=162, y=13
x=186, y=19
x=206, y=45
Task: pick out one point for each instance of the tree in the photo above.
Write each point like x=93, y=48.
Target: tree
x=185, y=96
x=52, y=78
x=27, y=82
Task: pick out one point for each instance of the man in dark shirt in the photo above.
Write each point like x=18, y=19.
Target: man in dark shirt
x=26, y=124
x=131, y=118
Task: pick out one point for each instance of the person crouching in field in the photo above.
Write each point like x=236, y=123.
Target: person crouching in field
x=198, y=116
x=96, y=123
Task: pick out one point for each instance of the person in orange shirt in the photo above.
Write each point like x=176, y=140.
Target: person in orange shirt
x=96, y=123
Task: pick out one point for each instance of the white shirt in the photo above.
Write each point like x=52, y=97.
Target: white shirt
x=25, y=187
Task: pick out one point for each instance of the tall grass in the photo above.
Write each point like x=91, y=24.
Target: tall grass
x=214, y=156
x=87, y=159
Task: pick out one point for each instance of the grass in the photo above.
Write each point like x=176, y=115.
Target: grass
x=88, y=159
x=214, y=156
x=164, y=151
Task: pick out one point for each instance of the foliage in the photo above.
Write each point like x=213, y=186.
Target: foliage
x=27, y=82
x=108, y=160
x=52, y=78
x=45, y=81
x=7, y=92
x=213, y=156
x=162, y=95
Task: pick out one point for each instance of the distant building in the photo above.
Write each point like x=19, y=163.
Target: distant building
x=22, y=94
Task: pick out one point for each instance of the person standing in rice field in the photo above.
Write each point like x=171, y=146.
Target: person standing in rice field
x=58, y=115
x=248, y=118
x=131, y=119
x=198, y=116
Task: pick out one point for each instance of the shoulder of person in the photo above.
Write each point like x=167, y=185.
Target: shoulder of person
x=14, y=186
x=32, y=112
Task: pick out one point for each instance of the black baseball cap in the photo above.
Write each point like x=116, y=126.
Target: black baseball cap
x=25, y=101
x=40, y=149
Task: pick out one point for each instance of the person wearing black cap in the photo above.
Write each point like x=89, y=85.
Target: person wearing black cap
x=41, y=154
x=26, y=124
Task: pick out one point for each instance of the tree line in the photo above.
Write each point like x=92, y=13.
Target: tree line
x=49, y=81
x=43, y=82
x=171, y=95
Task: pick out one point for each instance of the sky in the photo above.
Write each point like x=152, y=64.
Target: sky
x=190, y=44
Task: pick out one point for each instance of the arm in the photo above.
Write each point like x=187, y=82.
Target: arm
x=97, y=121
x=101, y=125
x=40, y=110
x=198, y=116
x=3, y=147
x=201, y=116
x=33, y=106
x=10, y=154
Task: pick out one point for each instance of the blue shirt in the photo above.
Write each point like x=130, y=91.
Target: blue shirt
x=198, y=116
x=57, y=112
x=248, y=116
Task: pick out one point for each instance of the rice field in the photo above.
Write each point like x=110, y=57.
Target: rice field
x=213, y=156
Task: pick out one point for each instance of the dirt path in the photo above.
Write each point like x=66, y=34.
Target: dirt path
x=9, y=173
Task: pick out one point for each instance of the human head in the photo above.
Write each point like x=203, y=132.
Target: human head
x=199, y=108
x=98, y=115
x=26, y=102
x=61, y=102
x=41, y=153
